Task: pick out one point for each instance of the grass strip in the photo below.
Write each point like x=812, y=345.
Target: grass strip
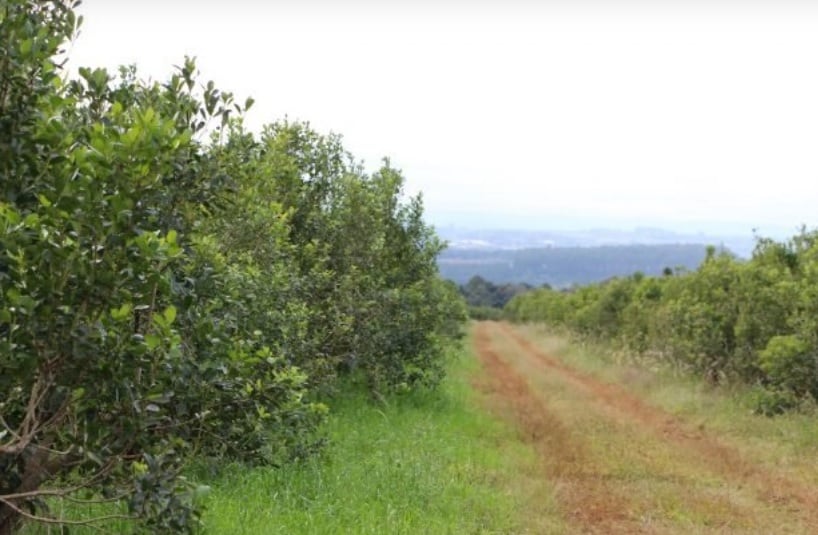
x=425, y=462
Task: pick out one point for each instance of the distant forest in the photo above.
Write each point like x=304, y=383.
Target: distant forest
x=562, y=267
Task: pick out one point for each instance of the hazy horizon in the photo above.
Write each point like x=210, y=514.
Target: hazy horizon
x=508, y=222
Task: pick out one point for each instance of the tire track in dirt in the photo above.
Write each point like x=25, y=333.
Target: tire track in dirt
x=589, y=502
x=719, y=458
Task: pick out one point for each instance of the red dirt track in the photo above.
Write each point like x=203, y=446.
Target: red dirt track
x=591, y=502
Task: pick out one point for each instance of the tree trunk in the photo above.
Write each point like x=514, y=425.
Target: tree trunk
x=9, y=520
x=39, y=467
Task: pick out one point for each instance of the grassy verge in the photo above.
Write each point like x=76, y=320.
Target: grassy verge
x=426, y=462
x=429, y=462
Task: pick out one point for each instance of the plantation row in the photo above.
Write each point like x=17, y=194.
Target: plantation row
x=174, y=285
x=755, y=321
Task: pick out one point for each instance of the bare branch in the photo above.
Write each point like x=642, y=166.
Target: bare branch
x=48, y=520
x=113, y=499
x=60, y=493
x=9, y=447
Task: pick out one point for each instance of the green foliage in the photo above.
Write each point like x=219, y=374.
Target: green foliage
x=752, y=321
x=171, y=285
x=485, y=313
x=790, y=364
x=479, y=292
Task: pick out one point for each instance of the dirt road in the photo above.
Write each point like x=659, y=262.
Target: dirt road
x=619, y=465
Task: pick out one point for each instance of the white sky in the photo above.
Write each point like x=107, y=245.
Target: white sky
x=687, y=115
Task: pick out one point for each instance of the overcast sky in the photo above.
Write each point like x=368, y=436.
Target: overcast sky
x=687, y=115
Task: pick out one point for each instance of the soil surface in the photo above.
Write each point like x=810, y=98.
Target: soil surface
x=616, y=464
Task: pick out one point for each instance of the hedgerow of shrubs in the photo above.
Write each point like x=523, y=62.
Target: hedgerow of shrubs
x=173, y=285
x=753, y=321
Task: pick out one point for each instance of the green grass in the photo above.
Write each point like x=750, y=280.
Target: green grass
x=428, y=462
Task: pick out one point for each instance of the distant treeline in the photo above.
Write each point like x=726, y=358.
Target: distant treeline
x=486, y=299
x=754, y=321
x=562, y=267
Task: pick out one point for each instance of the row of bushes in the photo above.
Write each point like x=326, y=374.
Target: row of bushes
x=755, y=321
x=175, y=285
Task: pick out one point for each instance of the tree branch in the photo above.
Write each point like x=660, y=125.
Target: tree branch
x=48, y=520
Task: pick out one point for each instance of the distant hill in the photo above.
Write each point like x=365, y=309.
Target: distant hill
x=564, y=266
x=492, y=239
